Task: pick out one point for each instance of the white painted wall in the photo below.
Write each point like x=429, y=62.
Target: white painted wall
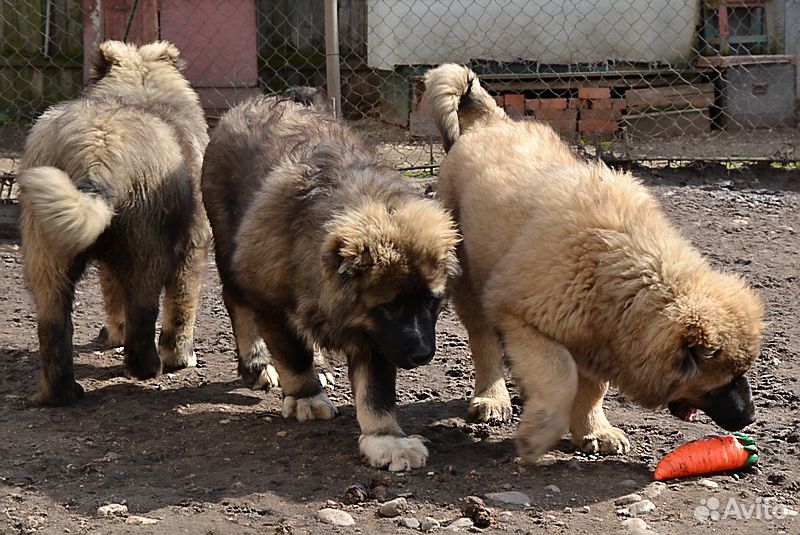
x=408, y=32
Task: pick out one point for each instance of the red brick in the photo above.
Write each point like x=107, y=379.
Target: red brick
x=515, y=104
x=499, y=100
x=554, y=103
x=597, y=125
x=607, y=104
x=564, y=121
x=576, y=103
x=532, y=104
x=601, y=114
x=594, y=92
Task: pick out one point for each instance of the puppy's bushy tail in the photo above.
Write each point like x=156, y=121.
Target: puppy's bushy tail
x=66, y=218
x=458, y=100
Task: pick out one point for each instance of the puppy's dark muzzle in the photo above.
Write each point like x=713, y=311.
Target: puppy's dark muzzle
x=730, y=406
x=422, y=358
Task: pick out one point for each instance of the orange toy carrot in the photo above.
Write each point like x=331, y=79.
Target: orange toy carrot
x=716, y=453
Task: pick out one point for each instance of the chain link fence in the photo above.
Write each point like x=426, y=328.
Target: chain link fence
x=625, y=79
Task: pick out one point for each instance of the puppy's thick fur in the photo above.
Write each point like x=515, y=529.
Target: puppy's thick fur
x=115, y=176
x=572, y=270
x=318, y=244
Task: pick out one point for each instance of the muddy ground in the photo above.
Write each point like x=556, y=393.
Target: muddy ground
x=195, y=452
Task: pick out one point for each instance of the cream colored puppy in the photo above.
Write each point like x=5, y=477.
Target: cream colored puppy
x=572, y=272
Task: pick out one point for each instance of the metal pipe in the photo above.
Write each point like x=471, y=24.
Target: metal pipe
x=47, y=16
x=333, y=81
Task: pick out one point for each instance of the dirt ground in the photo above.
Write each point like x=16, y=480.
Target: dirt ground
x=194, y=452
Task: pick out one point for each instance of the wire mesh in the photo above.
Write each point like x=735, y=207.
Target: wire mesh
x=634, y=79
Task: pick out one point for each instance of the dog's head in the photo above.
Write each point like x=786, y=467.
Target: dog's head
x=155, y=65
x=710, y=335
x=388, y=269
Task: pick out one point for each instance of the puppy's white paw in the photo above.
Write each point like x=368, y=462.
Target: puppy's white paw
x=611, y=440
x=488, y=408
x=397, y=453
x=268, y=378
x=317, y=407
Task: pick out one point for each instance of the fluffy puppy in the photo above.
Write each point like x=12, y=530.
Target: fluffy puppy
x=318, y=244
x=115, y=176
x=574, y=274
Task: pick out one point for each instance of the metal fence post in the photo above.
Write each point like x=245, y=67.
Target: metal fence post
x=332, y=56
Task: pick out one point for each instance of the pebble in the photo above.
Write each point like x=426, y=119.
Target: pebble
x=430, y=524
x=707, y=483
x=629, y=483
x=627, y=499
x=410, y=523
x=281, y=434
x=142, y=520
x=785, y=511
x=393, y=508
x=505, y=517
x=653, y=490
x=638, y=508
x=635, y=525
x=459, y=523
x=552, y=488
x=335, y=517
x=510, y=497
x=112, y=509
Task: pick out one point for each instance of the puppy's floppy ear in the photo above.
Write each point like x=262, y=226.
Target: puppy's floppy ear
x=162, y=51
x=173, y=55
x=114, y=51
x=699, y=327
x=109, y=53
x=346, y=260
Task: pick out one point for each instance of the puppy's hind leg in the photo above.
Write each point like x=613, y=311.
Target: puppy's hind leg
x=113, y=333
x=141, y=311
x=254, y=364
x=491, y=400
x=547, y=372
x=52, y=282
x=589, y=427
x=176, y=341
x=383, y=443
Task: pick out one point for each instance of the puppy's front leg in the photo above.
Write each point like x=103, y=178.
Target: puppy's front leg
x=590, y=429
x=382, y=441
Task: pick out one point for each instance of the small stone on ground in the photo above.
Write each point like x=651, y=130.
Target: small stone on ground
x=335, y=517
x=510, y=497
x=112, y=509
x=393, y=508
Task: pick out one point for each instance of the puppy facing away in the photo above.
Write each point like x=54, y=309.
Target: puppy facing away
x=114, y=176
x=317, y=244
x=572, y=271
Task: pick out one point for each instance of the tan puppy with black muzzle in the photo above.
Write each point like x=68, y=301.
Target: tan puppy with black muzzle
x=574, y=274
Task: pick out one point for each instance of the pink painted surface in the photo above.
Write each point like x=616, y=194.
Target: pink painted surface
x=106, y=19
x=217, y=39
